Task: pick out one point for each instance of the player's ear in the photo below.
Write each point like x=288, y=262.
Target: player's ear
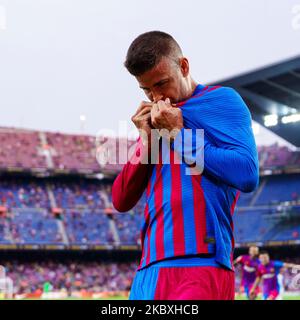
x=184, y=66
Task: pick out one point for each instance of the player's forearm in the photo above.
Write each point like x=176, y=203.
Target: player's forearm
x=237, y=260
x=130, y=184
x=231, y=167
x=230, y=153
x=238, y=169
x=256, y=283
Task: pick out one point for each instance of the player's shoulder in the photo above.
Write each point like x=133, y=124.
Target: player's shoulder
x=278, y=263
x=221, y=94
x=257, y=261
x=222, y=91
x=226, y=97
x=260, y=267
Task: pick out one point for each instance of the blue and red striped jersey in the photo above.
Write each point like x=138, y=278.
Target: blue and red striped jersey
x=249, y=269
x=269, y=274
x=188, y=214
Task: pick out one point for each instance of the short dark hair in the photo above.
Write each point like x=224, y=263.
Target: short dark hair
x=147, y=50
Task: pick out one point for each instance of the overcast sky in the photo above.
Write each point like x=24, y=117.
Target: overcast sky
x=60, y=59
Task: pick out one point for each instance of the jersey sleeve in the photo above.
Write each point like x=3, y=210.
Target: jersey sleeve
x=130, y=184
x=278, y=265
x=259, y=272
x=241, y=260
x=230, y=153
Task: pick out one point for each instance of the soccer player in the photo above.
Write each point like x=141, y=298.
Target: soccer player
x=187, y=230
x=280, y=278
x=267, y=272
x=249, y=264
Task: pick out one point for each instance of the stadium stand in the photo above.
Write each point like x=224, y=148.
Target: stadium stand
x=34, y=227
x=84, y=201
x=23, y=193
x=71, y=276
x=84, y=194
x=20, y=149
x=67, y=207
x=279, y=189
x=73, y=152
x=88, y=227
x=31, y=149
x=276, y=156
x=4, y=239
x=128, y=226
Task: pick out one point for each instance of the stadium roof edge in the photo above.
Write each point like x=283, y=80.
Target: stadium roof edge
x=272, y=69
x=272, y=90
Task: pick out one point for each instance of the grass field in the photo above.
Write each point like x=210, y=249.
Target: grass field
x=238, y=297
x=285, y=297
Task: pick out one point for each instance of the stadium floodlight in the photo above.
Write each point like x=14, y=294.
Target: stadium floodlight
x=291, y=118
x=82, y=117
x=293, y=110
x=2, y=18
x=271, y=120
x=100, y=176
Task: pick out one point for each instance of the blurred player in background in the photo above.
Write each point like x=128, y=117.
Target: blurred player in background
x=280, y=278
x=249, y=265
x=267, y=272
x=6, y=285
x=187, y=232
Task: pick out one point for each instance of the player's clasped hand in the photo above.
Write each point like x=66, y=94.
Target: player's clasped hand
x=158, y=115
x=164, y=116
x=142, y=117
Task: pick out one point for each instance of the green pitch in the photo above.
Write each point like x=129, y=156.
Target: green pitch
x=239, y=297
x=285, y=297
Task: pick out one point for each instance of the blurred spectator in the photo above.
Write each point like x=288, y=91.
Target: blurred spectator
x=73, y=152
x=88, y=227
x=23, y=193
x=71, y=275
x=34, y=227
x=128, y=226
x=81, y=194
x=24, y=149
x=20, y=149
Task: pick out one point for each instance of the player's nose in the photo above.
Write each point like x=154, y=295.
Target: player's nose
x=157, y=97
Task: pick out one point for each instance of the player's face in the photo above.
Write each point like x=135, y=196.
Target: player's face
x=166, y=80
x=253, y=251
x=264, y=259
